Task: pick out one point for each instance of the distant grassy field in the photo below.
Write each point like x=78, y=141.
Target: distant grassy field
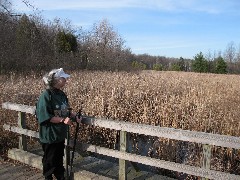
x=190, y=101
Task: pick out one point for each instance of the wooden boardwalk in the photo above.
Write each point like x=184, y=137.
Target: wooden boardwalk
x=208, y=141
x=17, y=171
x=86, y=168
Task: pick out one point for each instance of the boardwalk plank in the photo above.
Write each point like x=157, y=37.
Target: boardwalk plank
x=113, y=172
x=38, y=176
x=12, y=171
x=24, y=172
x=104, y=168
x=4, y=170
x=132, y=174
x=156, y=177
x=94, y=166
x=4, y=166
x=88, y=167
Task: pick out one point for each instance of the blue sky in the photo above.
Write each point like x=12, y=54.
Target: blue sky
x=171, y=28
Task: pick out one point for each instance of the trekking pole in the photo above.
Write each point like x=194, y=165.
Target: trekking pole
x=67, y=146
x=79, y=114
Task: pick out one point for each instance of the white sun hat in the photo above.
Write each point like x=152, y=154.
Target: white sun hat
x=60, y=73
x=54, y=74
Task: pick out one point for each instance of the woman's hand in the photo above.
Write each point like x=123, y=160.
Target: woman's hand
x=76, y=115
x=78, y=119
x=67, y=121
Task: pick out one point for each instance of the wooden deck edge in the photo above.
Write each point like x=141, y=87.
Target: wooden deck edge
x=36, y=162
x=25, y=157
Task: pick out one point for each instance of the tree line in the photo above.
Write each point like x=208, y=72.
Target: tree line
x=30, y=43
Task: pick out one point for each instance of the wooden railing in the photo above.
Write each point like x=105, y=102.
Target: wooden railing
x=208, y=140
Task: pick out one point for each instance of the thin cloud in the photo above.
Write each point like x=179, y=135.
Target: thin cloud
x=71, y=5
x=213, y=6
x=152, y=26
x=165, y=46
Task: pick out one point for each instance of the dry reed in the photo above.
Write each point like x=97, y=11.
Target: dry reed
x=191, y=101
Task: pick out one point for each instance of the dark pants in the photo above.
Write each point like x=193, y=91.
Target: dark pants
x=53, y=160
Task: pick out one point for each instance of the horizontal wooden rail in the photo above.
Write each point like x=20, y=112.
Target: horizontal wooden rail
x=18, y=130
x=171, y=133
x=196, y=171
x=19, y=107
x=207, y=139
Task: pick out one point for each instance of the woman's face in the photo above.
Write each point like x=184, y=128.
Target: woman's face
x=61, y=83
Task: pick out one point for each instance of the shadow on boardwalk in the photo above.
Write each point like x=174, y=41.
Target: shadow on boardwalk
x=18, y=171
x=108, y=167
x=88, y=167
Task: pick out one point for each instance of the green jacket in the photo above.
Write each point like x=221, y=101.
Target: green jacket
x=52, y=103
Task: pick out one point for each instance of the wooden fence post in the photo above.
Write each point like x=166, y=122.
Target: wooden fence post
x=206, y=161
x=122, y=162
x=22, y=124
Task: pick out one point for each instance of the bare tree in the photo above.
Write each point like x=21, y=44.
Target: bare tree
x=106, y=46
x=230, y=52
x=28, y=42
x=230, y=57
x=209, y=56
x=238, y=54
x=8, y=24
x=6, y=6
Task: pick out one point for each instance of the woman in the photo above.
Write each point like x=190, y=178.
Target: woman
x=54, y=117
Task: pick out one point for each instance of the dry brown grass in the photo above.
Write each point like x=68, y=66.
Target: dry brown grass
x=190, y=101
x=200, y=102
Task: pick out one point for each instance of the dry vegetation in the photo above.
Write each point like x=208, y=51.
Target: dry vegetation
x=200, y=102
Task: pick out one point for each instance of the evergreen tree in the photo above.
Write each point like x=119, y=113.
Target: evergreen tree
x=139, y=65
x=66, y=42
x=200, y=64
x=175, y=67
x=157, y=67
x=221, y=66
